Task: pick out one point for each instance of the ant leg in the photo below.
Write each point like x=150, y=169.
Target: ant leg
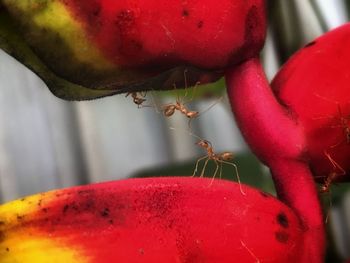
x=333, y=175
x=335, y=164
x=194, y=89
x=202, y=112
x=197, y=163
x=189, y=124
x=185, y=80
x=337, y=144
x=237, y=174
x=216, y=171
x=220, y=175
x=186, y=88
x=325, y=98
x=204, y=167
x=330, y=205
x=155, y=102
x=257, y=260
x=212, y=105
x=177, y=94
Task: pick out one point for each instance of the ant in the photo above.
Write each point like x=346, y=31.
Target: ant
x=138, y=100
x=342, y=119
x=218, y=159
x=325, y=187
x=333, y=175
x=170, y=109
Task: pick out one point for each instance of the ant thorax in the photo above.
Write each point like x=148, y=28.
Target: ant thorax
x=204, y=144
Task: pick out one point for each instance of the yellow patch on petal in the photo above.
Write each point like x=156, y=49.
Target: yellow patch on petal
x=26, y=247
x=54, y=17
x=12, y=212
x=22, y=243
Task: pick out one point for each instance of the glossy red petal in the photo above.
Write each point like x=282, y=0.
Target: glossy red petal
x=314, y=84
x=157, y=220
x=160, y=34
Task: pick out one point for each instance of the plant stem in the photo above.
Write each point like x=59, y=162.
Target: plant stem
x=295, y=187
x=277, y=138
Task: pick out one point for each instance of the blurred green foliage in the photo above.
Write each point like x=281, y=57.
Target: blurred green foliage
x=215, y=89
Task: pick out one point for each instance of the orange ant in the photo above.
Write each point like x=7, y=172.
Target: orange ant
x=138, y=100
x=325, y=187
x=218, y=159
x=333, y=175
x=170, y=109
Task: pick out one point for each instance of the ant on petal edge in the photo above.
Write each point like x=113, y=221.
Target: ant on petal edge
x=337, y=171
x=138, y=98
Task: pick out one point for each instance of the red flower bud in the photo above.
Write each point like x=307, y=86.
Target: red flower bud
x=103, y=47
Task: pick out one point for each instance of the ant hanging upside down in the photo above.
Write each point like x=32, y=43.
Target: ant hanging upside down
x=137, y=98
x=170, y=109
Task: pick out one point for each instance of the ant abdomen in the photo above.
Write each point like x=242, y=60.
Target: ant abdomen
x=192, y=114
x=169, y=110
x=227, y=156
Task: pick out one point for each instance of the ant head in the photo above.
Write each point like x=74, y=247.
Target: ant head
x=169, y=110
x=204, y=143
x=139, y=100
x=227, y=156
x=192, y=114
